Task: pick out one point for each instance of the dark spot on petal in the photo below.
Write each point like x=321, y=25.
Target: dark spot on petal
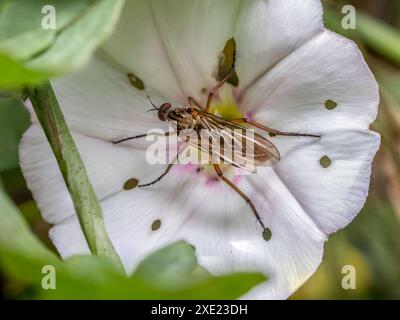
x=156, y=225
x=267, y=234
x=136, y=81
x=131, y=184
x=226, y=63
x=325, y=162
x=204, y=90
x=330, y=104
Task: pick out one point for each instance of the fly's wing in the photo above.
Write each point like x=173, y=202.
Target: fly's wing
x=233, y=144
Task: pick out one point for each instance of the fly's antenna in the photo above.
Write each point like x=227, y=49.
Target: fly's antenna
x=154, y=106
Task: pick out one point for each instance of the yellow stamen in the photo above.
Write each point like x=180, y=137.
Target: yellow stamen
x=225, y=105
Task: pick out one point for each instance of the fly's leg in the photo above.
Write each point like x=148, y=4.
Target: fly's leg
x=130, y=138
x=215, y=89
x=168, y=169
x=159, y=178
x=218, y=170
x=193, y=102
x=166, y=134
x=273, y=132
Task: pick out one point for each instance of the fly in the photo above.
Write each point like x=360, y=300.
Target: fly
x=254, y=150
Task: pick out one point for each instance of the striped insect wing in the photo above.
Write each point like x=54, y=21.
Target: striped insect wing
x=265, y=153
x=235, y=144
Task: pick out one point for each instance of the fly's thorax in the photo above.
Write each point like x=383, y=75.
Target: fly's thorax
x=185, y=118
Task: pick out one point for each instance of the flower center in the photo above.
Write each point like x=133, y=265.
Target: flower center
x=225, y=105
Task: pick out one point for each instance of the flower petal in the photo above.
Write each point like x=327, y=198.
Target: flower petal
x=136, y=45
x=109, y=167
x=294, y=94
x=330, y=177
x=174, y=42
x=189, y=210
x=234, y=240
x=218, y=223
x=129, y=216
x=99, y=101
x=267, y=31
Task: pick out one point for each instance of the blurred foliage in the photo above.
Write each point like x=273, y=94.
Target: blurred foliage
x=30, y=54
x=14, y=120
x=371, y=243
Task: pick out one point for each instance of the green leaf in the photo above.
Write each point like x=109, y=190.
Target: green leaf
x=21, y=32
x=73, y=48
x=15, y=74
x=154, y=278
x=16, y=238
x=30, y=54
x=227, y=287
x=14, y=120
x=179, y=267
x=173, y=273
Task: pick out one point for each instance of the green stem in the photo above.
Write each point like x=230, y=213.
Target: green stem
x=73, y=170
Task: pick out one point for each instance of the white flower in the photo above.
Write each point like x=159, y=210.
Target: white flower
x=288, y=66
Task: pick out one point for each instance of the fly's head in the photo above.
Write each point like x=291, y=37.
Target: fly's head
x=164, y=110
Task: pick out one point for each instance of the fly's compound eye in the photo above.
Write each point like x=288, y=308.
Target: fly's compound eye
x=163, y=111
